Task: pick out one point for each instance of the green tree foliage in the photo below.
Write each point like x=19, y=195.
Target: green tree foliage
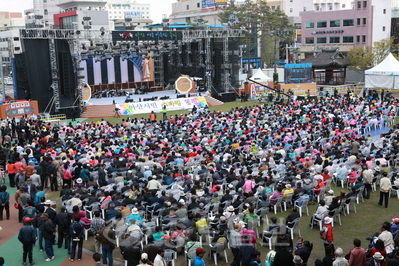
x=258, y=20
x=366, y=57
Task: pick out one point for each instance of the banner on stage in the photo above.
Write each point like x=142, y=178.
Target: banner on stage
x=156, y=106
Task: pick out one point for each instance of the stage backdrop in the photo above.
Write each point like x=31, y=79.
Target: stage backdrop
x=156, y=106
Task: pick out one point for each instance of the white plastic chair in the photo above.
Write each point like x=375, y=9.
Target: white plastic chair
x=296, y=224
x=304, y=204
x=351, y=202
x=218, y=249
x=190, y=256
x=278, y=205
x=170, y=256
x=320, y=220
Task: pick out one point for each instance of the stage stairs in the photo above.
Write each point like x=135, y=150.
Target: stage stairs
x=212, y=102
x=98, y=111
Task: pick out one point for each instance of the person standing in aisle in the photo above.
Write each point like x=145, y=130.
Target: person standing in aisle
x=27, y=236
x=48, y=231
x=76, y=233
x=164, y=113
x=385, y=187
x=4, y=203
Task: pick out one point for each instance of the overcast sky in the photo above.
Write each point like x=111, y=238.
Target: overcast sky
x=158, y=7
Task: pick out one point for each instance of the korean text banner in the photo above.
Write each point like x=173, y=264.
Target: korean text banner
x=156, y=106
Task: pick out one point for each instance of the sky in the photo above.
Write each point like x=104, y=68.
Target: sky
x=158, y=7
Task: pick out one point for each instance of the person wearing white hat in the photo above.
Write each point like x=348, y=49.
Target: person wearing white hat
x=339, y=258
x=329, y=197
x=135, y=215
x=154, y=184
x=297, y=260
x=327, y=234
x=378, y=259
x=144, y=260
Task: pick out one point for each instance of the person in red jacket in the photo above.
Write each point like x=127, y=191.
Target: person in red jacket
x=327, y=228
x=358, y=254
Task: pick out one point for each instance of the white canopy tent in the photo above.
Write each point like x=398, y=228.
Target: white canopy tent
x=259, y=76
x=384, y=75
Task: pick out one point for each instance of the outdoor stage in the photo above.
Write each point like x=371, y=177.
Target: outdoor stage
x=137, y=97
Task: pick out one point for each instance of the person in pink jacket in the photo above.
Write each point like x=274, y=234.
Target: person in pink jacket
x=248, y=185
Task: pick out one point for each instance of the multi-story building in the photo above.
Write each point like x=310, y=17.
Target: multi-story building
x=369, y=21
x=192, y=10
x=10, y=44
x=127, y=14
x=42, y=14
x=11, y=20
x=87, y=14
x=46, y=13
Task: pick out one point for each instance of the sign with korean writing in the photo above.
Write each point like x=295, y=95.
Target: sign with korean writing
x=156, y=106
x=146, y=35
x=208, y=3
x=221, y=2
x=20, y=109
x=133, y=14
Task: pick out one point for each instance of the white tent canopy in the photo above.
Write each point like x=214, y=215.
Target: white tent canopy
x=384, y=75
x=259, y=76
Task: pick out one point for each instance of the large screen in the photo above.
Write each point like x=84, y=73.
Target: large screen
x=298, y=73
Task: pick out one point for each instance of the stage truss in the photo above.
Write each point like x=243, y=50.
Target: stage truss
x=99, y=44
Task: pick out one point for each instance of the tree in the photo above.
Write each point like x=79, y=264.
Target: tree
x=366, y=57
x=258, y=20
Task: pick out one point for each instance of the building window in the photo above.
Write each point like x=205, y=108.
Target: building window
x=363, y=38
x=309, y=40
x=309, y=25
x=44, y=1
x=364, y=21
x=384, y=11
x=317, y=7
x=329, y=7
x=335, y=23
x=343, y=5
x=334, y=39
x=273, y=8
x=198, y=4
x=348, y=22
x=187, y=7
x=358, y=38
x=359, y=4
x=45, y=12
x=291, y=10
x=291, y=1
x=321, y=39
x=322, y=24
x=347, y=39
x=304, y=8
x=358, y=21
x=383, y=28
x=364, y=4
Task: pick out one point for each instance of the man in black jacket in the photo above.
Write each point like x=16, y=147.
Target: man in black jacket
x=27, y=236
x=48, y=230
x=52, y=173
x=102, y=175
x=51, y=211
x=132, y=253
x=76, y=233
x=63, y=228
